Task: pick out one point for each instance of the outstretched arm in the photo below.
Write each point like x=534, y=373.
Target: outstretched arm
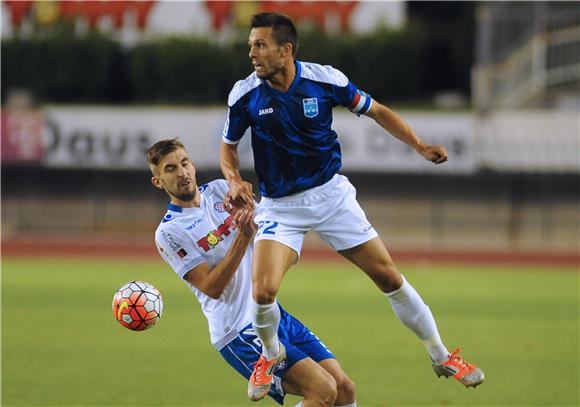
x=395, y=125
x=212, y=282
x=240, y=190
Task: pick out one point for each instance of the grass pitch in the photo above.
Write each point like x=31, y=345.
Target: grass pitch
x=62, y=347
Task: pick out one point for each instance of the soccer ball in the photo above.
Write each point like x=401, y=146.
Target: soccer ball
x=137, y=305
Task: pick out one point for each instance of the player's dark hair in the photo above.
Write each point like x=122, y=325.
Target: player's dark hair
x=160, y=149
x=283, y=29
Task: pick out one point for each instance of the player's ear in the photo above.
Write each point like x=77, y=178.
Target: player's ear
x=156, y=182
x=286, y=49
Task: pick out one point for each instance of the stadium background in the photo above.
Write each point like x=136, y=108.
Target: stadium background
x=88, y=86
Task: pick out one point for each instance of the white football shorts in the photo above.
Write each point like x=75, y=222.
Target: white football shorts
x=331, y=210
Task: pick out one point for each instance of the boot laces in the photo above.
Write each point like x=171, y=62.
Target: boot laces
x=260, y=370
x=456, y=360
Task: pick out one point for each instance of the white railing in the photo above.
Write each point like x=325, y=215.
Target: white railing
x=547, y=60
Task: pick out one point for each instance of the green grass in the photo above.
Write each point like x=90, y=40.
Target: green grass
x=62, y=347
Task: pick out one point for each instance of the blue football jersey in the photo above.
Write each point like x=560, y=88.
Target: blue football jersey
x=294, y=145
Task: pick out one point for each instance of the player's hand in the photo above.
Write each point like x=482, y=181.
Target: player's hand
x=244, y=219
x=240, y=196
x=435, y=154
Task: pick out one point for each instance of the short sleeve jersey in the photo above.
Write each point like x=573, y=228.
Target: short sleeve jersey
x=294, y=145
x=187, y=237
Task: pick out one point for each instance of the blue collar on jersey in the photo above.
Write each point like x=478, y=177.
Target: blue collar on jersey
x=174, y=208
x=286, y=94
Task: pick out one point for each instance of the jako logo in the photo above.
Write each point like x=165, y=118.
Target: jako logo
x=266, y=111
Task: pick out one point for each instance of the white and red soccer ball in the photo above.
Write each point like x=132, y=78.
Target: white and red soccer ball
x=137, y=305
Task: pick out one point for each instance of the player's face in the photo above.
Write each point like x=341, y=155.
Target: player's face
x=266, y=55
x=176, y=175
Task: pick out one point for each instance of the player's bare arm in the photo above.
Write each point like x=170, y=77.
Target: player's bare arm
x=240, y=191
x=395, y=125
x=212, y=282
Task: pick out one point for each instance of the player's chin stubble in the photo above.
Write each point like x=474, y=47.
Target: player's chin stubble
x=268, y=75
x=187, y=196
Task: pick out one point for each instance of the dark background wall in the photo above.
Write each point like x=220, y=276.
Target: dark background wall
x=488, y=210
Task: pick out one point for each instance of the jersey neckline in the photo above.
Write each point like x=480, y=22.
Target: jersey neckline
x=176, y=208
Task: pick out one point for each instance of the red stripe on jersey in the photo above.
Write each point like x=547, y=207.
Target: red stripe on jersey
x=355, y=100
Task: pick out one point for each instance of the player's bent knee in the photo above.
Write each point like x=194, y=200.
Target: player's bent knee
x=329, y=399
x=346, y=391
x=391, y=280
x=387, y=284
x=264, y=294
x=265, y=289
x=387, y=278
x=326, y=392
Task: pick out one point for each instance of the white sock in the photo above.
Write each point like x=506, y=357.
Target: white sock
x=301, y=404
x=436, y=349
x=416, y=315
x=266, y=322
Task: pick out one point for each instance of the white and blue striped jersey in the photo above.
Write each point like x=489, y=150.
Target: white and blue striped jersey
x=294, y=146
x=187, y=237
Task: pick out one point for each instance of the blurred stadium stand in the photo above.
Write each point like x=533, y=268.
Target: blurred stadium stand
x=513, y=182
x=528, y=55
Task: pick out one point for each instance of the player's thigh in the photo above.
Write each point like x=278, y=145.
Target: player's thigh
x=374, y=259
x=308, y=378
x=270, y=262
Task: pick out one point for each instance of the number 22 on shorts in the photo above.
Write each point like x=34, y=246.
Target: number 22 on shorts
x=266, y=227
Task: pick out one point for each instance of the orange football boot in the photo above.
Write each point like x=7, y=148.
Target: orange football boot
x=262, y=376
x=469, y=375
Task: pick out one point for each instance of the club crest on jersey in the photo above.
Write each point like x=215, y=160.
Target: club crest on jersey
x=310, y=107
x=219, y=206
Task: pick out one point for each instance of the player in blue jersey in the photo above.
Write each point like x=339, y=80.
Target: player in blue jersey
x=210, y=250
x=288, y=106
